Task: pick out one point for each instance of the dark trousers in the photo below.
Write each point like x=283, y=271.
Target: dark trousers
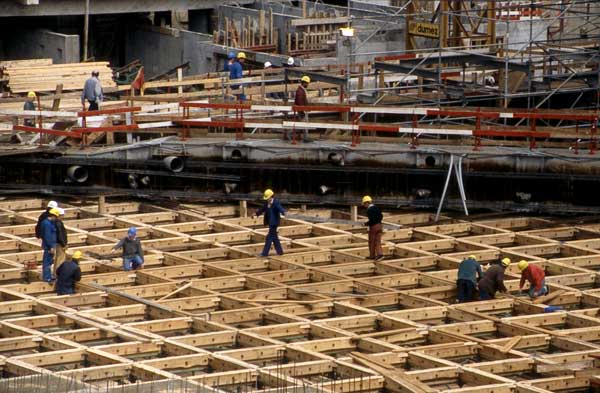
x=93, y=105
x=485, y=295
x=466, y=290
x=272, y=238
x=375, y=233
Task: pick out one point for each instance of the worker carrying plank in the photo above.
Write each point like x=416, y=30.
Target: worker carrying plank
x=236, y=71
x=133, y=255
x=67, y=274
x=92, y=92
x=469, y=273
x=536, y=277
x=493, y=280
x=375, y=228
x=273, y=211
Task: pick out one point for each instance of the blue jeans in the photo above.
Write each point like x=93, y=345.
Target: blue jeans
x=132, y=262
x=47, y=262
x=533, y=293
x=272, y=238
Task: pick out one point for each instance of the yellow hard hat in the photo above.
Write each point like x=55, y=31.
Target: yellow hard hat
x=367, y=199
x=241, y=55
x=305, y=79
x=522, y=265
x=472, y=257
x=31, y=94
x=77, y=255
x=505, y=262
x=268, y=194
x=54, y=211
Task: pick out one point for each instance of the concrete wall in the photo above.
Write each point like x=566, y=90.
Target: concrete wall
x=32, y=44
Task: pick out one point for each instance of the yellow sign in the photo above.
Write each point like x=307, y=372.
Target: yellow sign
x=424, y=29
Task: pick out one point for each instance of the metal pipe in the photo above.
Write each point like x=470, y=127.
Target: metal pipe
x=78, y=174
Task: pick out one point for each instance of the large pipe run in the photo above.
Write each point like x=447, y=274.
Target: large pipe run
x=174, y=163
x=78, y=174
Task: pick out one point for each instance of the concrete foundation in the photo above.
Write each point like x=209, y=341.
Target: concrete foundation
x=26, y=44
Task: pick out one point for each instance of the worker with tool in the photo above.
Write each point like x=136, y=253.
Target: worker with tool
x=301, y=100
x=92, y=92
x=49, y=240
x=61, y=240
x=375, y=228
x=273, y=211
x=469, y=273
x=133, y=255
x=493, y=280
x=68, y=274
x=38, y=227
x=536, y=277
x=236, y=71
x=30, y=106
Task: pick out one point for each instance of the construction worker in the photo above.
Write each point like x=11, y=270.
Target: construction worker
x=469, y=273
x=48, y=235
x=68, y=274
x=229, y=62
x=92, y=92
x=301, y=100
x=236, y=71
x=493, y=280
x=375, y=228
x=30, y=106
x=133, y=255
x=268, y=65
x=290, y=62
x=42, y=217
x=273, y=211
x=61, y=240
x=536, y=277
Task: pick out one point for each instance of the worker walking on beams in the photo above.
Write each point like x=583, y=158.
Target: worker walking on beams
x=49, y=240
x=273, y=211
x=92, y=92
x=236, y=71
x=536, y=277
x=493, y=280
x=469, y=273
x=301, y=99
x=375, y=228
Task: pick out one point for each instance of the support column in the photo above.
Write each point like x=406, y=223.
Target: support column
x=243, y=209
x=354, y=213
x=101, y=204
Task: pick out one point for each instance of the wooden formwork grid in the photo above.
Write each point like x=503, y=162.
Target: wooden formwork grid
x=208, y=314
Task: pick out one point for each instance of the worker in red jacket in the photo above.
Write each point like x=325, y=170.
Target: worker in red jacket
x=301, y=100
x=536, y=277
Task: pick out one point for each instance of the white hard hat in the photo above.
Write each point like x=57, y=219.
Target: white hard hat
x=52, y=205
x=290, y=61
x=268, y=64
x=61, y=211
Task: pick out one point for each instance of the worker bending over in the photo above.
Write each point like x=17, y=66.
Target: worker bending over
x=469, y=273
x=535, y=276
x=273, y=212
x=375, y=228
x=133, y=255
x=67, y=274
x=493, y=280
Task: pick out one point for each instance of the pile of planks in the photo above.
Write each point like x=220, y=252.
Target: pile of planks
x=23, y=77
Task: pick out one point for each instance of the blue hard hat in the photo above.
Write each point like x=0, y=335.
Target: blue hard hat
x=231, y=55
x=132, y=231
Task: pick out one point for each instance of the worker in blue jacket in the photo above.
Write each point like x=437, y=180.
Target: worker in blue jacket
x=67, y=274
x=273, y=212
x=236, y=71
x=49, y=240
x=229, y=62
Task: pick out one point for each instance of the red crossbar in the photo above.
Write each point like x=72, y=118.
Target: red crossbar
x=89, y=130
x=522, y=134
x=321, y=108
x=214, y=105
x=36, y=130
x=213, y=123
x=109, y=111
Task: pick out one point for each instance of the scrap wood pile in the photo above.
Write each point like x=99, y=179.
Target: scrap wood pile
x=41, y=75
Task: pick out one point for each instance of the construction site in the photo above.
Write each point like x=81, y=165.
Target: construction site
x=310, y=182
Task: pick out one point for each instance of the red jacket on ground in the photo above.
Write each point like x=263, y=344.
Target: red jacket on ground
x=535, y=275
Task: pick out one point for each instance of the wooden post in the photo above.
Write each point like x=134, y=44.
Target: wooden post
x=303, y=208
x=56, y=101
x=179, y=79
x=101, y=204
x=353, y=213
x=243, y=209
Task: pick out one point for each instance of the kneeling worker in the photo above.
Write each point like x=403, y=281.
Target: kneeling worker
x=133, y=255
x=536, y=277
x=493, y=280
x=469, y=272
x=67, y=274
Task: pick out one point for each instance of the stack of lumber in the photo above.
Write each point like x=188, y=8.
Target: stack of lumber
x=45, y=77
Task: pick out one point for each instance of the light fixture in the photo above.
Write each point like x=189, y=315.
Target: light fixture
x=347, y=31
